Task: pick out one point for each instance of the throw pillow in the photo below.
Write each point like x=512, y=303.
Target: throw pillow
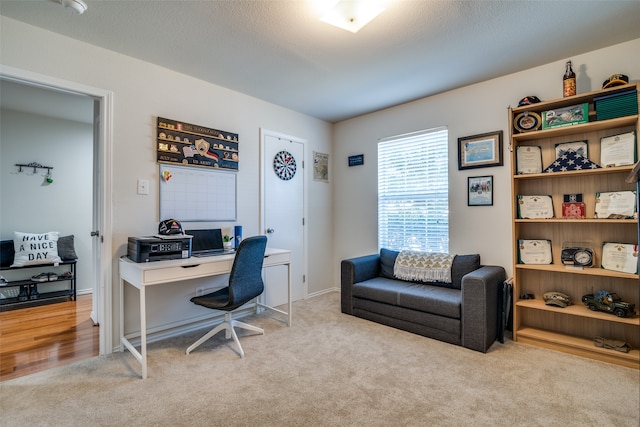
x=66, y=248
x=33, y=249
x=6, y=253
x=387, y=262
x=462, y=265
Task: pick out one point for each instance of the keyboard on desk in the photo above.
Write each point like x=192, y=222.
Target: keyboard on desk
x=213, y=253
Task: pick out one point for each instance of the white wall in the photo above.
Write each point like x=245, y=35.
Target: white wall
x=467, y=111
x=27, y=202
x=142, y=92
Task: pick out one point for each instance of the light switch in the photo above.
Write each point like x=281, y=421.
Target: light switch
x=143, y=186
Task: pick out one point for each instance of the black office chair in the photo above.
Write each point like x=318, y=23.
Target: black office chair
x=245, y=284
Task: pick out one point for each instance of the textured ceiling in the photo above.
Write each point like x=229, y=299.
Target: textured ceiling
x=279, y=51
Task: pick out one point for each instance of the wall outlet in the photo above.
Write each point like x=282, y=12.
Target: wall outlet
x=143, y=186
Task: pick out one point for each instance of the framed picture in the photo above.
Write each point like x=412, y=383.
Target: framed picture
x=480, y=151
x=480, y=190
x=320, y=167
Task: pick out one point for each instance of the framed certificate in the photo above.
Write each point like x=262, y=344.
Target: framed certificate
x=528, y=159
x=615, y=204
x=618, y=150
x=480, y=151
x=534, y=251
x=535, y=207
x=620, y=257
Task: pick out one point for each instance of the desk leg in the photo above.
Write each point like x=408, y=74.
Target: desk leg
x=260, y=301
x=122, y=346
x=143, y=331
x=289, y=296
x=141, y=356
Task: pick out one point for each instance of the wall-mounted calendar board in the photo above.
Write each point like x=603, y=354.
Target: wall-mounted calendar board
x=196, y=194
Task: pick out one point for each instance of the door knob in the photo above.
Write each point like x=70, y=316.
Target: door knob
x=95, y=233
x=270, y=230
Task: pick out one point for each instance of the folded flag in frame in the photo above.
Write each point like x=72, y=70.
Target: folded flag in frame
x=571, y=160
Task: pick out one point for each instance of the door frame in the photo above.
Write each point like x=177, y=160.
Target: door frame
x=102, y=206
x=305, y=190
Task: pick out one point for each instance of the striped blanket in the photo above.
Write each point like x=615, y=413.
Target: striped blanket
x=423, y=266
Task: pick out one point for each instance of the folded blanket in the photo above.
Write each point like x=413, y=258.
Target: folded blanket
x=423, y=266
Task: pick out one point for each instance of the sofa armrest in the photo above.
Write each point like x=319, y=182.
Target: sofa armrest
x=356, y=270
x=480, y=297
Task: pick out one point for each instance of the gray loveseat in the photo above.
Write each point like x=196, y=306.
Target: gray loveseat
x=464, y=312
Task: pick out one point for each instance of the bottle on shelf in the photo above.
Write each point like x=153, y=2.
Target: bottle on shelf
x=569, y=80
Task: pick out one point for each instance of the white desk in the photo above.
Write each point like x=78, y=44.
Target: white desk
x=142, y=275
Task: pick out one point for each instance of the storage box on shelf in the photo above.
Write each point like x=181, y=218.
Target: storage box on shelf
x=573, y=329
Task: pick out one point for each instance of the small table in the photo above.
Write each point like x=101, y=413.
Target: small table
x=143, y=275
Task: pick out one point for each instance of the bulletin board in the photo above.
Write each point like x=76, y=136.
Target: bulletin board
x=196, y=194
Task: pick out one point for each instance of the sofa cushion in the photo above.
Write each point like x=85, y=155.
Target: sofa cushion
x=405, y=318
x=421, y=297
x=462, y=265
x=378, y=289
x=431, y=299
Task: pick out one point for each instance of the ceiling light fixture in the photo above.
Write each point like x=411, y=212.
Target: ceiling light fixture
x=77, y=7
x=351, y=15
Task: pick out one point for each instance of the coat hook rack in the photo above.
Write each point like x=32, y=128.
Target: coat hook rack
x=33, y=165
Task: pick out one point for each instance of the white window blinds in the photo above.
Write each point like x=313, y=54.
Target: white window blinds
x=413, y=191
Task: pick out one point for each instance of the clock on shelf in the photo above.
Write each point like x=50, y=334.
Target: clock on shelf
x=284, y=165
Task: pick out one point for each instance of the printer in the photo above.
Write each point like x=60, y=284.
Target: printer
x=159, y=248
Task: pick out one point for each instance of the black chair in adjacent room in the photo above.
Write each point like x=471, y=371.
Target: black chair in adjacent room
x=245, y=284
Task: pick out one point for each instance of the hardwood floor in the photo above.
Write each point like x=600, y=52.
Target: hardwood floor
x=37, y=338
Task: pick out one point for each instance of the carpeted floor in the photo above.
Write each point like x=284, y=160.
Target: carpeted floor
x=328, y=369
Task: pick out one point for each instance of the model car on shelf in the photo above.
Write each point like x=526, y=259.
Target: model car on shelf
x=608, y=302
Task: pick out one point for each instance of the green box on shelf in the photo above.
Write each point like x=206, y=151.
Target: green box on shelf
x=616, y=105
x=566, y=116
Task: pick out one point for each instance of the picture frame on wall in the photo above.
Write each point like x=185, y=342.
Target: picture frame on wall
x=480, y=190
x=480, y=151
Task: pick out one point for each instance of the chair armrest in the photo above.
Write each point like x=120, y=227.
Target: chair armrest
x=480, y=297
x=356, y=270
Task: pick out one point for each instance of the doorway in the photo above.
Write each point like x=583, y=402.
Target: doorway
x=283, y=215
x=98, y=263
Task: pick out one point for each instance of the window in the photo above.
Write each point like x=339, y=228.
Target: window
x=413, y=191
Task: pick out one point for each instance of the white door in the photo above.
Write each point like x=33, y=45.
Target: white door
x=283, y=213
x=96, y=313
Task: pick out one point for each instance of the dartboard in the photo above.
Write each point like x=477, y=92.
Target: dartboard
x=284, y=165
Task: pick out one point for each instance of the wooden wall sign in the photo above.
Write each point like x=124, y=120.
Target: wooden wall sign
x=192, y=145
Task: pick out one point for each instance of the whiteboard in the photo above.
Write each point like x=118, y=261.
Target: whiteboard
x=194, y=194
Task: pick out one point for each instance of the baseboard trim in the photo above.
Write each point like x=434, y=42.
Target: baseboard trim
x=322, y=292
